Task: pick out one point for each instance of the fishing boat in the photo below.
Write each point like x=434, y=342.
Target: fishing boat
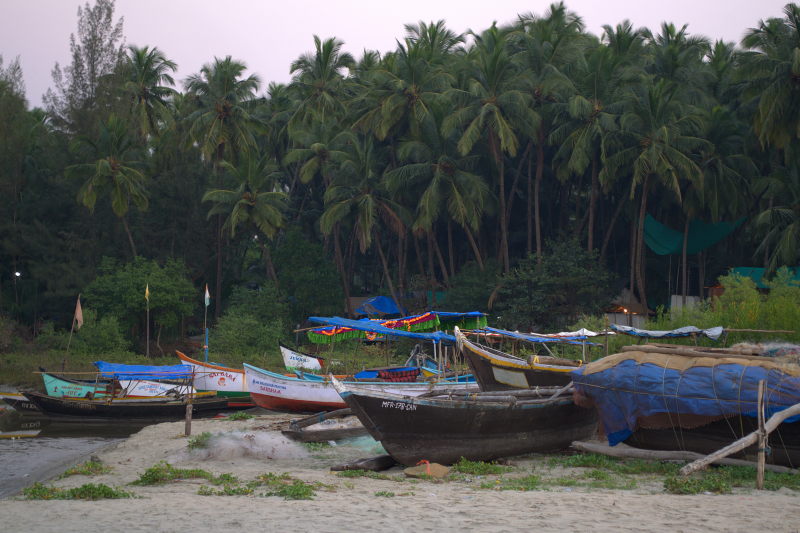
x=57, y=385
x=138, y=408
x=495, y=370
x=295, y=360
x=18, y=402
x=229, y=383
x=698, y=399
x=478, y=427
x=312, y=393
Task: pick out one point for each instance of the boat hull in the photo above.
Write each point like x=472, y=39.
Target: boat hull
x=123, y=408
x=497, y=371
x=284, y=393
x=444, y=431
x=227, y=382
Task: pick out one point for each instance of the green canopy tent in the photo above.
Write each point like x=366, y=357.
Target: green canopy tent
x=700, y=235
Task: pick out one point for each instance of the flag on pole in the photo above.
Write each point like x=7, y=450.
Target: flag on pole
x=78, y=319
x=207, y=296
x=147, y=292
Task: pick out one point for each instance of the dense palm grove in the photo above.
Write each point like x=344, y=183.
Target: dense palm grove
x=517, y=160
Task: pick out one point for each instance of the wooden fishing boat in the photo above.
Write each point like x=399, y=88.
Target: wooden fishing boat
x=663, y=399
x=478, y=427
x=146, y=408
x=18, y=402
x=294, y=360
x=312, y=393
x=56, y=385
x=495, y=370
x=229, y=383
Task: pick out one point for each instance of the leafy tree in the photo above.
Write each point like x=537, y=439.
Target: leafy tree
x=97, y=53
x=568, y=283
x=119, y=290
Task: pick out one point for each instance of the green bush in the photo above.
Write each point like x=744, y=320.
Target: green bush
x=245, y=336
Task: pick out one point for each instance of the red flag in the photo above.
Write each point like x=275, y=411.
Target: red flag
x=78, y=314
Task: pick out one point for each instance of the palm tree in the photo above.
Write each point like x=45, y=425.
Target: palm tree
x=655, y=143
x=222, y=124
x=493, y=106
x=255, y=202
x=548, y=48
x=779, y=225
x=612, y=66
x=771, y=68
x=318, y=78
x=111, y=169
x=359, y=194
x=448, y=185
x=147, y=76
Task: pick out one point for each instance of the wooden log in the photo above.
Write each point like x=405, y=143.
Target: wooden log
x=316, y=418
x=690, y=352
x=711, y=349
x=748, y=440
x=628, y=452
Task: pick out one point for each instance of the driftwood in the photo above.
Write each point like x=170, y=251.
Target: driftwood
x=374, y=464
x=319, y=417
x=690, y=352
x=733, y=350
x=748, y=440
x=629, y=452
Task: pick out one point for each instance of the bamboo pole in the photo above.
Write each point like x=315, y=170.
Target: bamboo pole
x=748, y=440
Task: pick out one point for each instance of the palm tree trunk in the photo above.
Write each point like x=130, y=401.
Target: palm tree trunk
x=685, y=271
x=592, y=205
x=450, y=253
x=337, y=250
x=418, y=253
x=501, y=179
x=515, y=183
x=530, y=207
x=130, y=236
x=440, y=258
x=386, y=272
x=610, y=230
x=640, y=253
x=474, y=246
x=536, y=189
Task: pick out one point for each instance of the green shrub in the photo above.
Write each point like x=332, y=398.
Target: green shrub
x=479, y=468
x=199, y=441
x=90, y=491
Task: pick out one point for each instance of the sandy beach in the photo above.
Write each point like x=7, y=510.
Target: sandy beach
x=248, y=448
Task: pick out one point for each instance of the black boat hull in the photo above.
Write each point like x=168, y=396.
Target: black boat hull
x=443, y=431
x=141, y=409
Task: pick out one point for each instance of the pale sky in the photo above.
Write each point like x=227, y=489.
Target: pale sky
x=267, y=35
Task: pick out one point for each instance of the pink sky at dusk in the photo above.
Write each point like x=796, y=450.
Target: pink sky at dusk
x=268, y=35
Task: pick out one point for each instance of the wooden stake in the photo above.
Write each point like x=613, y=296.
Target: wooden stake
x=762, y=438
x=188, y=426
x=748, y=440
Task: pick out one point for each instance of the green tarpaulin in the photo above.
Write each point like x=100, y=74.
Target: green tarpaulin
x=667, y=241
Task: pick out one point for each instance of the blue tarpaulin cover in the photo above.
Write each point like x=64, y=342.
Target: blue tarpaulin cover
x=379, y=305
x=120, y=371
x=712, y=333
x=373, y=327
x=631, y=385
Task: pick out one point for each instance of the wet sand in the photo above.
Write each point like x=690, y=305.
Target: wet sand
x=252, y=447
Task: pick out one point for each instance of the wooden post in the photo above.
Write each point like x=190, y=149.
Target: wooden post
x=762, y=438
x=188, y=427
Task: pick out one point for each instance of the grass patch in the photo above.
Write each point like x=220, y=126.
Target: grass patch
x=384, y=494
x=282, y=485
x=89, y=468
x=713, y=483
x=368, y=473
x=89, y=491
x=199, y=441
x=525, y=483
x=722, y=479
x=239, y=415
x=479, y=468
x=164, y=472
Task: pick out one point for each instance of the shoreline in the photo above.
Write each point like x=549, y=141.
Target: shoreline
x=248, y=448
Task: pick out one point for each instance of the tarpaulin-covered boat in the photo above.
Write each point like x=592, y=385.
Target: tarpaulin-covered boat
x=669, y=401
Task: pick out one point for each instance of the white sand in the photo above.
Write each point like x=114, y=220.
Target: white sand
x=254, y=447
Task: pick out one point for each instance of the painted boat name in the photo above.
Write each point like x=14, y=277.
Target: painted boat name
x=399, y=405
